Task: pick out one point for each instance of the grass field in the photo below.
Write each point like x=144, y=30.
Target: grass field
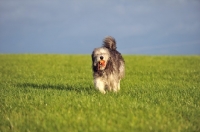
x=49, y=93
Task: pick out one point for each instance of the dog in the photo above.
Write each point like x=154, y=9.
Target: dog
x=108, y=66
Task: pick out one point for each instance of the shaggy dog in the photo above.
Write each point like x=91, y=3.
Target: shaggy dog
x=108, y=66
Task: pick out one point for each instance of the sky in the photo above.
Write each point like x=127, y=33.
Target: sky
x=149, y=27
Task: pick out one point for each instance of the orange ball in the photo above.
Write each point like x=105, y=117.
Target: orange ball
x=102, y=62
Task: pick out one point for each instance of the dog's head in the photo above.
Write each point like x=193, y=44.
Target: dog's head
x=100, y=58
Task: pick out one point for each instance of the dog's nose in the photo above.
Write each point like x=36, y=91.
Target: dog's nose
x=101, y=57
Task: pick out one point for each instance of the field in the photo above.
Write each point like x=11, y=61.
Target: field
x=49, y=93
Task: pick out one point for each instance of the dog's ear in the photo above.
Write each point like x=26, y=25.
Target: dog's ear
x=94, y=68
x=92, y=56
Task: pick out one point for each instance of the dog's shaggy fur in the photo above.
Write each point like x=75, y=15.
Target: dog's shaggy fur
x=107, y=75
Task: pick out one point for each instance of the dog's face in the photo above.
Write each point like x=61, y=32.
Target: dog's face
x=100, y=58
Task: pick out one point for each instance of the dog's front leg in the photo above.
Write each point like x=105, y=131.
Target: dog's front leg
x=99, y=85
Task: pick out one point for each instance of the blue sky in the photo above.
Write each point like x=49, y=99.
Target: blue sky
x=76, y=27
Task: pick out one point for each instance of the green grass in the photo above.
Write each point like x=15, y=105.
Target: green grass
x=56, y=93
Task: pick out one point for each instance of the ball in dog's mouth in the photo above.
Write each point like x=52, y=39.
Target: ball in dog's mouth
x=101, y=64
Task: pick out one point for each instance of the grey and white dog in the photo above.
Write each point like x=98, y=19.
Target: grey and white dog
x=108, y=66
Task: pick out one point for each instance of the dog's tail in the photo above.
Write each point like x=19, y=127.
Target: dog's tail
x=110, y=43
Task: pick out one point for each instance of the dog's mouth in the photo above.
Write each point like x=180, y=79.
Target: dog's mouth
x=101, y=65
